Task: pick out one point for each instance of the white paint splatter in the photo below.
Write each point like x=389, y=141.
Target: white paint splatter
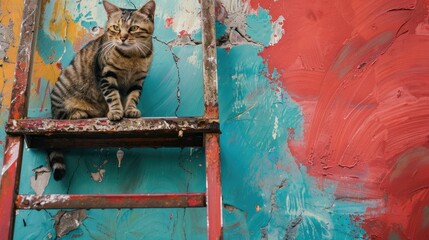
x=212, y=59
x=277, y=31
x=193, y=59
x=276, y=128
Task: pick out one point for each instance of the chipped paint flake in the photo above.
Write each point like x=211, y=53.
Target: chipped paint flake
x=187, y=19
x=67, y=221
x=40, y=179
x=277, y=31
x=6, y=39
x=98, y=176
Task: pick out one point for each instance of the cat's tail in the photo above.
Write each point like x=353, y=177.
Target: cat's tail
x=56, y=161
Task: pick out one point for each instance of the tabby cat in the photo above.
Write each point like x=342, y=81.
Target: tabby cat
x=106, y=76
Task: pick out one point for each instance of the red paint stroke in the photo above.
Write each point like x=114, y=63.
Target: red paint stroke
x=169, y=22
x=38, y=85
x=59, y=65
x=184, y=33
x=47, y=91
x=359, y=70
x=407, y=206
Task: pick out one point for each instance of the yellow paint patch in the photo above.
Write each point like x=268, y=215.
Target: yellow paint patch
x=49, y=72
x=61, y=25
x=11, y=12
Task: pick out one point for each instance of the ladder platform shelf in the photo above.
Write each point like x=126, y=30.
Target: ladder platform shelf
x=102, y=201
x=181, y=132
x=100, y=132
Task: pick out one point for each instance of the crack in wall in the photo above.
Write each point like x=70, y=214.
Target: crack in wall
x=181, y=162
x=176, y=63
x=292, y=228
x=72, y=176
x=184, y=215
x=234, y=37
x=129, y=1
x=273, y=207
x=174, y=225
x=2, y=87
x=231, y=208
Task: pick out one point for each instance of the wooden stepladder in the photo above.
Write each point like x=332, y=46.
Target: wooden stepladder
x=201, y=131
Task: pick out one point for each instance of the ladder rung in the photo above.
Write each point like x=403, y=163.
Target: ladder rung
x=100, y=132
x=87, y=201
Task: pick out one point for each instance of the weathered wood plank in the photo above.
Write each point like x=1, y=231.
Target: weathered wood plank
x=87, y=201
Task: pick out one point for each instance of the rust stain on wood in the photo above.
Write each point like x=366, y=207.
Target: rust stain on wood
x=81, y=201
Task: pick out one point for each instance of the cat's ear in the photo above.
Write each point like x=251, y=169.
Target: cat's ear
x=148, y=9
x=110, y=8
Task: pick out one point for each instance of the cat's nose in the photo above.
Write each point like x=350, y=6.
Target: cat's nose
x=124, y=38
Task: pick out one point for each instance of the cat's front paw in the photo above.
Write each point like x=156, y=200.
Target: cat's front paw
x=78, y=114
x=115, y=115
x=132, y=113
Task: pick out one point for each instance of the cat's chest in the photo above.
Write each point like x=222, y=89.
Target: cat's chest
x=131, y=65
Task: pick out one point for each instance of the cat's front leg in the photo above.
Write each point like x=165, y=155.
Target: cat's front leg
x=109, y=88
x=133, y=97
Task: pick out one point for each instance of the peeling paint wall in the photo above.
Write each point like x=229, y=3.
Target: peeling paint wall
x=324, y=108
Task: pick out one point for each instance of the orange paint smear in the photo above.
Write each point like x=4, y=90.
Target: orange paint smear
x=359, y=70
x=61, y=26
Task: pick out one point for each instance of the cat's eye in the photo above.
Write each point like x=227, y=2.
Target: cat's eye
x=134, y=28
x=115, y=27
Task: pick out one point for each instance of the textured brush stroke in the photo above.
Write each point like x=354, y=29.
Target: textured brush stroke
x=359, y=71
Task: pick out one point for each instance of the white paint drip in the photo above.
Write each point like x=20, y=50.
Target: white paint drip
x=276, y=128
x=120, y=155
x=13, y=152
x=277, y=31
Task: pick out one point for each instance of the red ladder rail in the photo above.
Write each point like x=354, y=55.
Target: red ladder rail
x=167, y=132
x=10, y=173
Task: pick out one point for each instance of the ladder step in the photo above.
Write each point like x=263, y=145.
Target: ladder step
x=87, y=201
x=100, y=132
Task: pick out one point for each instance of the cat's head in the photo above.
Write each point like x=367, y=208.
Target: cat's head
x=130, y=30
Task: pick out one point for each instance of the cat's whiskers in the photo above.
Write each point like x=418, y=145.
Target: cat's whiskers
x=143, y=48
x=105, y=48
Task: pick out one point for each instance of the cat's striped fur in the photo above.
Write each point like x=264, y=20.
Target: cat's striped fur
x=106, y=76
